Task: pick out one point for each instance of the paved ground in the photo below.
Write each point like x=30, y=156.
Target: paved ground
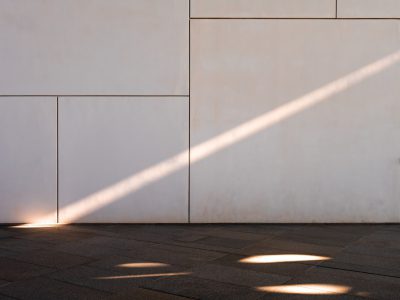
x=200, y=262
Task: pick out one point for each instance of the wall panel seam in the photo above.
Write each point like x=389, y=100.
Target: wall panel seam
x=189, y=120
x=60, y=95
x=57, y=164
x=294, y=18
x=336, y=9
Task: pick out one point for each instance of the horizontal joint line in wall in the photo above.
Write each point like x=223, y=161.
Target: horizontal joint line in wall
x=266, y=18
x=94, y=95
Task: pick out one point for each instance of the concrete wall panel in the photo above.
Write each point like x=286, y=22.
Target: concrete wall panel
x=28, y=159
x=368, y=8
x=117, y=159
x=294, y=111
x=94, y=47
x=295, y=121
x=263, y=8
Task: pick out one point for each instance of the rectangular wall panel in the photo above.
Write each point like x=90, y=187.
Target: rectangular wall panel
x=123, y=159
x=295, y=121
x=94, y=47
x=368, y=8
x=28, y=159
x=263, y=8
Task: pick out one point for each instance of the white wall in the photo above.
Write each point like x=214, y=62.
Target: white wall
x=291, y=111
x=79, y=52
x=106, y=141
x=313, y=128
x=94, y=47
x=28, y=162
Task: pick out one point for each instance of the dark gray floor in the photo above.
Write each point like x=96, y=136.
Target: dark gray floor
x=200, y=262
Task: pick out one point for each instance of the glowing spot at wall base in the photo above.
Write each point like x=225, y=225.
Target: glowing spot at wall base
x=38, y=225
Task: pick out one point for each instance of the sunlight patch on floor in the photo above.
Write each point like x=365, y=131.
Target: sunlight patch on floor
x=142, y=265
x=281, y=258
x=306, y=289
x=143, y=275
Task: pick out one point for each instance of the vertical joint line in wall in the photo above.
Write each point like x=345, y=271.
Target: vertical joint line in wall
x=57, y=166
x=336, y=9
x=189, y=144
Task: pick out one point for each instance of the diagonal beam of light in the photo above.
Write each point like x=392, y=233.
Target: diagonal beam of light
x=137, y=181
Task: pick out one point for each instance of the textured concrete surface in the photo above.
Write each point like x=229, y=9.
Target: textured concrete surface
x=200, y=262
x=263, y=8
x=288, y=124
x=110, y=151
x=368, y=8
x=28, y=159
x=287, y=109
x=94, y=47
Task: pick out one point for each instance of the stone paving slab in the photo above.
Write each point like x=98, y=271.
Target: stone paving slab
x=21, y=245
x=237, y=276
x=48, y=289
x=121, y=282
x=365, y=263
x=175, y=255
x=227, y=243
x=137, y=269
x=91, y=248
x=4, y=234
x=383, y=238
x=52, y=259
x=145, y=294
x=288, y=244
x=200, y=288
x=117, y=261
x=2, y=297
x=57, y=236
x=14, y=270
x=107, y=280
x=360, y=284
x=321, y=236
x=367, y=249
x=289, y=269
x=7, y=253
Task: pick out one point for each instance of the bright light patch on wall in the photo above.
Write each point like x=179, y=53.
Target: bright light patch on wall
x=123, y=188
x=102, y=198
x=292, y=108
x=306, y=289
x=143, y=265
x=281, y=258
